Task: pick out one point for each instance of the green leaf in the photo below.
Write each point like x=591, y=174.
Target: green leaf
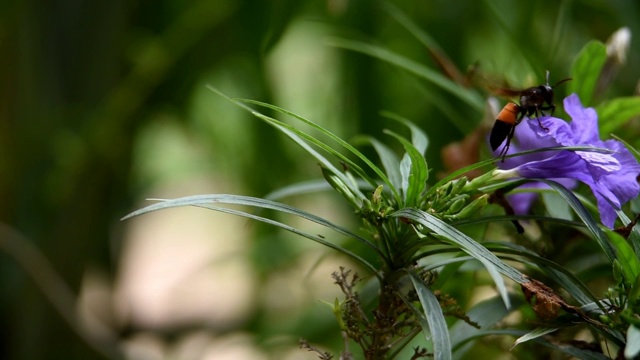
x=356, y=168
x=634, y=236
x=432, y=265
x=634, y=293
x=388, y=158
x=301, y=188
x=626, y=257
x=586, y=70
x=408, y=24
x=486, y=313
x=309, y=187
x=561, y=275
x=470, y=97
x=414, y=171
x=567, y=349
x=435, y=321
x=633, y=150
x=208, y=201
x=534, y=334
x=418, y=137
x=326, y=164
x=343, y=189
x=299, y=137
x=491, y=262
x=556, y=206
x=616, y=112
x=585, y=216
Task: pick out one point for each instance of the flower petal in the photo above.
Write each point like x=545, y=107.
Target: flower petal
x=564, y=164
x=584, y=124
x=557, y=132
x=607, y=204
x=599, y=164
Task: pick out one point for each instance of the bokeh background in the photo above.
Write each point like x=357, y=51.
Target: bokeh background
x=104, y=104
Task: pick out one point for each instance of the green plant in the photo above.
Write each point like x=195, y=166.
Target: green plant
x=426, y=234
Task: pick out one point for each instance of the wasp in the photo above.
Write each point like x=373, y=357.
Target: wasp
x=533, y=102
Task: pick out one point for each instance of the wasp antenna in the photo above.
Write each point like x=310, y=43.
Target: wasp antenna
x=561, y=81
x=547, y=77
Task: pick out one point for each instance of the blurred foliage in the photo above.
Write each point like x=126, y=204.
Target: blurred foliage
x=88, y=88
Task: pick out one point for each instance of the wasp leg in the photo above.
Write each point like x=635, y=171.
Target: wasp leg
x=504, y=150
x=542, y=126
x=539, y=112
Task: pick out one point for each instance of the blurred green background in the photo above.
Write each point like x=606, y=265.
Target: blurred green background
x=103, y=104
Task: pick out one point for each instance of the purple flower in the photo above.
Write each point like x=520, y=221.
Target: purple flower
x=611, y=177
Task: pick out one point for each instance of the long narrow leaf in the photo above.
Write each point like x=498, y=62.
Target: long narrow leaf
x=388, y=158
x=585, y=216
x=346, y=180
x=533, y=334
x=208, y=201
x=634, y=236
x=415, y=174
x=616, y=112
x=467, y=244
x=491, y=262
x=325, y=147
x=297, y=136
x=306, y=187
x=629, y=263
x=565, y=348
x=468, y=96
x=316, y=238
x=418, y=137
x=408, y=24
x=564, y=277
x=435, y=319
x=428, y=266
x=485, y=314
x=586, y=69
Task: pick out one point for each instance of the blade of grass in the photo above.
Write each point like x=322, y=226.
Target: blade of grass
x=317, y=238
x=585, y=216
x=388, y=158
x=629, y=263
x=564, y=277
x=298, y=136
x=435, y=320
x=414, y=171
x=207, y=201
x=301, y=188
x=418, y=137
x=332, y=136
x=586, y=70
x=533, y=334
x=445, y=63
x=469, y=96
x=565, y=348
x=446, y=232
x=485, y=314
x=634, y=236
x=616, y=112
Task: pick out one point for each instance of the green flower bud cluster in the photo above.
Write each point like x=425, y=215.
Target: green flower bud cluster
x=375, y=210
x=453, y=201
